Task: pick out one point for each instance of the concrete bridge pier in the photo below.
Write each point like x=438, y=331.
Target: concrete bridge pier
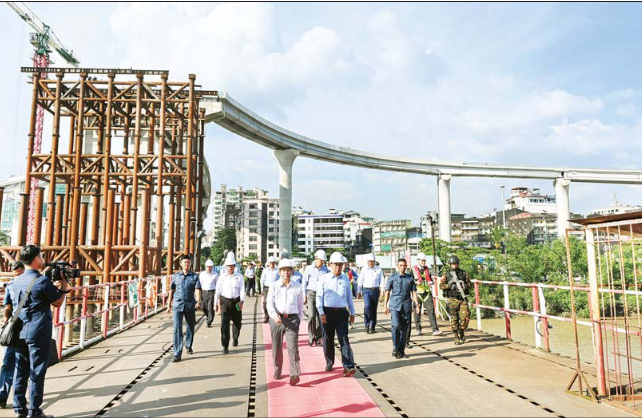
x=563, y=205
x=285, y=158
x=443, y=183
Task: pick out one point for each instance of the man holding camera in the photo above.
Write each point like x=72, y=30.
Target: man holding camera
x=184, y=294
x=34, y=341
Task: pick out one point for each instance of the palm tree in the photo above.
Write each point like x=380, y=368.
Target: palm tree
x=497, y=235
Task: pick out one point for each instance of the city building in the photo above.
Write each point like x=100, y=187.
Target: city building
x=356, y=239
x=229, y=197
x=615, y=208
x=538, y=228
x=530, y=200
x=257, y=233
x=476, y=232
x=413, y=238
x=424, y=223
x=390, y=236
x=315, y=232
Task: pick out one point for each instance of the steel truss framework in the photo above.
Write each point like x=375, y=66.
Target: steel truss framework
x=126, y=189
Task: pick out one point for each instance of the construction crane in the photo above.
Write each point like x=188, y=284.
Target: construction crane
x=44, y=41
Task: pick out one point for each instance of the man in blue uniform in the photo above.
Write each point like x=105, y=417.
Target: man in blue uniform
x=9, y=361
x=401, y=291
x=34, y=342
x=184, y=294
x=336, y=310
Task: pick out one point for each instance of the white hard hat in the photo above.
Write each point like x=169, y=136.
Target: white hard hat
x=209, y=263
x=230, y=260
x=421, y=256
x=370, y=257
x=320, y=254
x=345, y=259
x=285, y=263
x=336, y=257
x=271, y=259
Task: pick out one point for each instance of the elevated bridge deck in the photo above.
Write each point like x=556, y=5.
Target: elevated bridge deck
x=131, y=374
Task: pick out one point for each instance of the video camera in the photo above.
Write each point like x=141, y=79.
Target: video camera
x=60, y=270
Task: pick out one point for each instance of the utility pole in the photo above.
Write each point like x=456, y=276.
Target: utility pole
x=503, y=208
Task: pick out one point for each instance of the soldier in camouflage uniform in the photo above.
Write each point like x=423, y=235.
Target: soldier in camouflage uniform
x=457, y=304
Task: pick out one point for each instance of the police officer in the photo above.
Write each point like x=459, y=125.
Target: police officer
x=369, y=283
x=184, y=294
x=250, y=274
x=336, y=310
x=9, y=361
x=401, y=292
x=424, y=283
x=208, y=279
x=311, y=277
x=456, y=286
x=285, y=307
x=269, y=275
x=34, y=341
x=230, y=297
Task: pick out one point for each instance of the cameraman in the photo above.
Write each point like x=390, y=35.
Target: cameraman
x=34, y=342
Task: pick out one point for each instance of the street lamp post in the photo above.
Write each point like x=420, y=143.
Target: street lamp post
x=503, y=209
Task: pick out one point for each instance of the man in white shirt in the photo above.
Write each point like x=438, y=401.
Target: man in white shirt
x=250, y=273
x=369, y=285
x=285, y=308
x=230, y=296
x=269, y=275
x=208, y=279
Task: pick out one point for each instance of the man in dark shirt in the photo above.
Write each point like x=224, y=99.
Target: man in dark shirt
x=34, y=342
x=9, y=361
x=184, y=293
x=401, y=291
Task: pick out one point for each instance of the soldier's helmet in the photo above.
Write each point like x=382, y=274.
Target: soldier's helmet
x=453, y=260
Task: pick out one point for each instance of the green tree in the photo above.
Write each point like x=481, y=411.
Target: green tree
x=226, y=241
x=497, y=235
x=5, y=239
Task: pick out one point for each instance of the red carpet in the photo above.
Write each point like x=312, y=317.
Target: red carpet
x=319, y=393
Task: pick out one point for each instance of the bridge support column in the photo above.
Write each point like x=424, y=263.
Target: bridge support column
x=563, y=205
x=444, y=207
x=285, y=158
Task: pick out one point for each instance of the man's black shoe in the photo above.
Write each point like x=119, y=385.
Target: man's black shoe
x=294, y=380
x=235, y=343
x=372, y=331
x=404, y=355
x=349, y=372
x=368, y=331
x=398, y=355
x=176, y=359
x=226, y=350
x=328, y=367
x=190, y=351
x=277, y=375
x=394, y=354
x=311, y=342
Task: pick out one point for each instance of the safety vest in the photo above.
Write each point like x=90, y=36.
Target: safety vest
x=425, y=281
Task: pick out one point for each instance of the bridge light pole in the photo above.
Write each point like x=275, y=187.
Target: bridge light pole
x=443, y=183
x=285, y=158
x=563, y=205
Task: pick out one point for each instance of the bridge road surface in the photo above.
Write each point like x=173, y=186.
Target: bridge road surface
x=131, y=375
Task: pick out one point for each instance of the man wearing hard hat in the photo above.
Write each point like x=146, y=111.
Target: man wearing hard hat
x=285, y=307
x=336, y=310
x=311, y=277
x=369, y=285
x=269, y=275
x=230, y=296
x=250, y=273
x=425, y=287
x=208, y=279
x=184, y=300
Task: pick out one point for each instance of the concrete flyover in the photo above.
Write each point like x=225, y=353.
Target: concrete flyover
x=233, y=116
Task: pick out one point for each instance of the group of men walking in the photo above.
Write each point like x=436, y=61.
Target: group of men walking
x=328, y=294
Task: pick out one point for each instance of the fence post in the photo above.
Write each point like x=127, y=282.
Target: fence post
x=507, y=314
x=83, y=319
x=121, y=313
x=542, y=307
x=594, y=301
x=537, y=318
x=106, y=312
x=478, y=309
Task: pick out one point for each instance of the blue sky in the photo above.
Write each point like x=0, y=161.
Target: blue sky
x=506, y=83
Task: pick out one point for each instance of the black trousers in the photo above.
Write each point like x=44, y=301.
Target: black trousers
x=266, y=317
x=230, y=313
x=249, y=287
x=208, y=305
x=337, y=321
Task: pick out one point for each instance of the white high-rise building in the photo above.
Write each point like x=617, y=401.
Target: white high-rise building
x=530, y=200
x=229, y=197
x=316, y=232
x=257, y=235
x=615, y=208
